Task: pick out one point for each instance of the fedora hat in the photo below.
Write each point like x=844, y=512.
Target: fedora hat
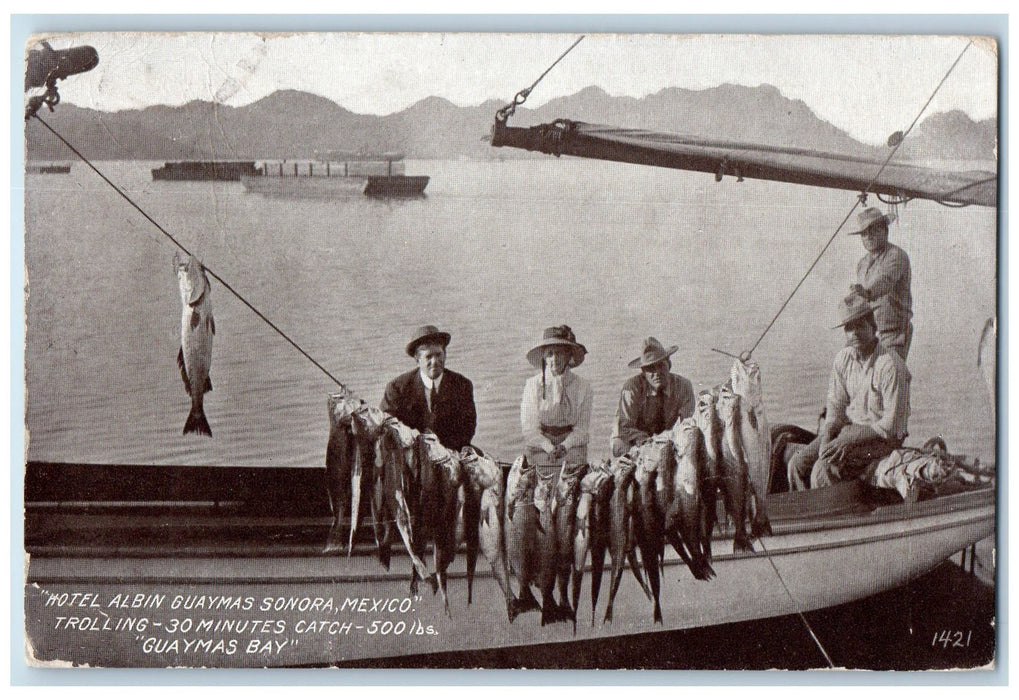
x=653, y=352
x=427, y=334
x=557, y=335
x=868, y=217
x=851, y=308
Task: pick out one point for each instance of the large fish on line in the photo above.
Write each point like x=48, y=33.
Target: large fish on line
x=197, y=328
x=746, y=382
x=592, y=532
x=521, y=530
x=736, y=491
x=485, y=479
x=567, y=495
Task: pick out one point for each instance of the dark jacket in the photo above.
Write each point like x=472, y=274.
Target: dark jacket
x=455, y=416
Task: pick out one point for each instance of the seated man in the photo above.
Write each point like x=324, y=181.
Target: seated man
x=652, y=401
x=432, y=397
x=867, y=407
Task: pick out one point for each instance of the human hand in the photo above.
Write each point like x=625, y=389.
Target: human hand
x=835, y=450
x=858, y=289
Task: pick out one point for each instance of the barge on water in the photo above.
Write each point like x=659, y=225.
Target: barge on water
x=48, y=168
x=224, y=170
x=337, y=174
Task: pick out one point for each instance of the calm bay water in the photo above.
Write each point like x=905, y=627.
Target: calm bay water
x=496, y=252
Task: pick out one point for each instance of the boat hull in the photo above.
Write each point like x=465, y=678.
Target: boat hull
x=323, y=187
x=822, y=560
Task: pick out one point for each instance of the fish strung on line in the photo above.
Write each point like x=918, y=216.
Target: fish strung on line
x=648, y=518
x=567, y=495
x=441, y=477
x=366, y=477
x=521, y=532
x=339, y=465
x=621, y=535
x=735, y=474
x=756, y=437
x=592, y=533
x=401, y=487
x=546, y=546
x=483, y=476
x=688, y=512
x=706, y=418
x=197, y=328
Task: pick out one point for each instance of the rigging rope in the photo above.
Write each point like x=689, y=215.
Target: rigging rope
x=860, y=200
x=178, y=244
x=506, y=112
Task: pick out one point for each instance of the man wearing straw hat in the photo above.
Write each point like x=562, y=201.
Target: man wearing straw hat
x=432, y=397
x=652, y=401
x=883, y=277
x=867, y=406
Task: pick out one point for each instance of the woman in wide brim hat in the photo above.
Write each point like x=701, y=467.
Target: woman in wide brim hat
x=555, y=411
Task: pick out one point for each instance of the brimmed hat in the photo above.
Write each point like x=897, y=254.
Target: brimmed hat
x=426, y=334
x=653, y=352
x=851, y=308
x=557, y=335
x=870, y=216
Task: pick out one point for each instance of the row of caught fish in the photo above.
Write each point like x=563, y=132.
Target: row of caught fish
x=540, y=527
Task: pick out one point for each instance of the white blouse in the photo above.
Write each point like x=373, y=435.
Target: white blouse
x=567, y=401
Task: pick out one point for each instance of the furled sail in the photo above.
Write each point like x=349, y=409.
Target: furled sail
x=898, y=180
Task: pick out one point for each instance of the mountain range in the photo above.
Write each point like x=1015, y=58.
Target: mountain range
x=295, y=124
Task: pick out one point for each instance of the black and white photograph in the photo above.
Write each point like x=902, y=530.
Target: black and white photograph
x=544, y=350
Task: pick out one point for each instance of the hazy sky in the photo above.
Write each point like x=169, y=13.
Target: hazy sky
x=869, y=86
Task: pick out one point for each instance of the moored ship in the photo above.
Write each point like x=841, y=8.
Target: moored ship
x=337, y=174
x=205, y=170
x=48, y=168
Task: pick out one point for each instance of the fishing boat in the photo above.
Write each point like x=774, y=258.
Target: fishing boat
x=336, y=173
x=181, y=538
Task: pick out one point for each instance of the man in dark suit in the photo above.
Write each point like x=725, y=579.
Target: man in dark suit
x=432, y=397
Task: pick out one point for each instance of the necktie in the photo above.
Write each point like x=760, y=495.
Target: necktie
x=432, y=398
x=657, y=412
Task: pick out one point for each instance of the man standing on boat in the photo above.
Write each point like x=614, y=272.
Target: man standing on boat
x=652, y=401
x=432, y=397
x=867, y=406
x=883, y=278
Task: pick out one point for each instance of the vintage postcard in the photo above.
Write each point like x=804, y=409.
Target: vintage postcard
x=468, y=350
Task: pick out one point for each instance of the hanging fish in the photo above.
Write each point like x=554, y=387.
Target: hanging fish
x=545, y=546
x=484, y=477
x=197, y=328
x=622, y=503
x=567, y=494
x=648, y=520
x=592, y=532
x=736, y=490
x=746, y=382
x=401, y=486
x=706, y=418
x=339, y=464
x=521, y=529
x=441, y=478
x=688, y=513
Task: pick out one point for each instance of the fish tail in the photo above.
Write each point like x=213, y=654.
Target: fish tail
x=196, y=422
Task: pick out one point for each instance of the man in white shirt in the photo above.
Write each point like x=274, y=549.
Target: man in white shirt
x=867, y=406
